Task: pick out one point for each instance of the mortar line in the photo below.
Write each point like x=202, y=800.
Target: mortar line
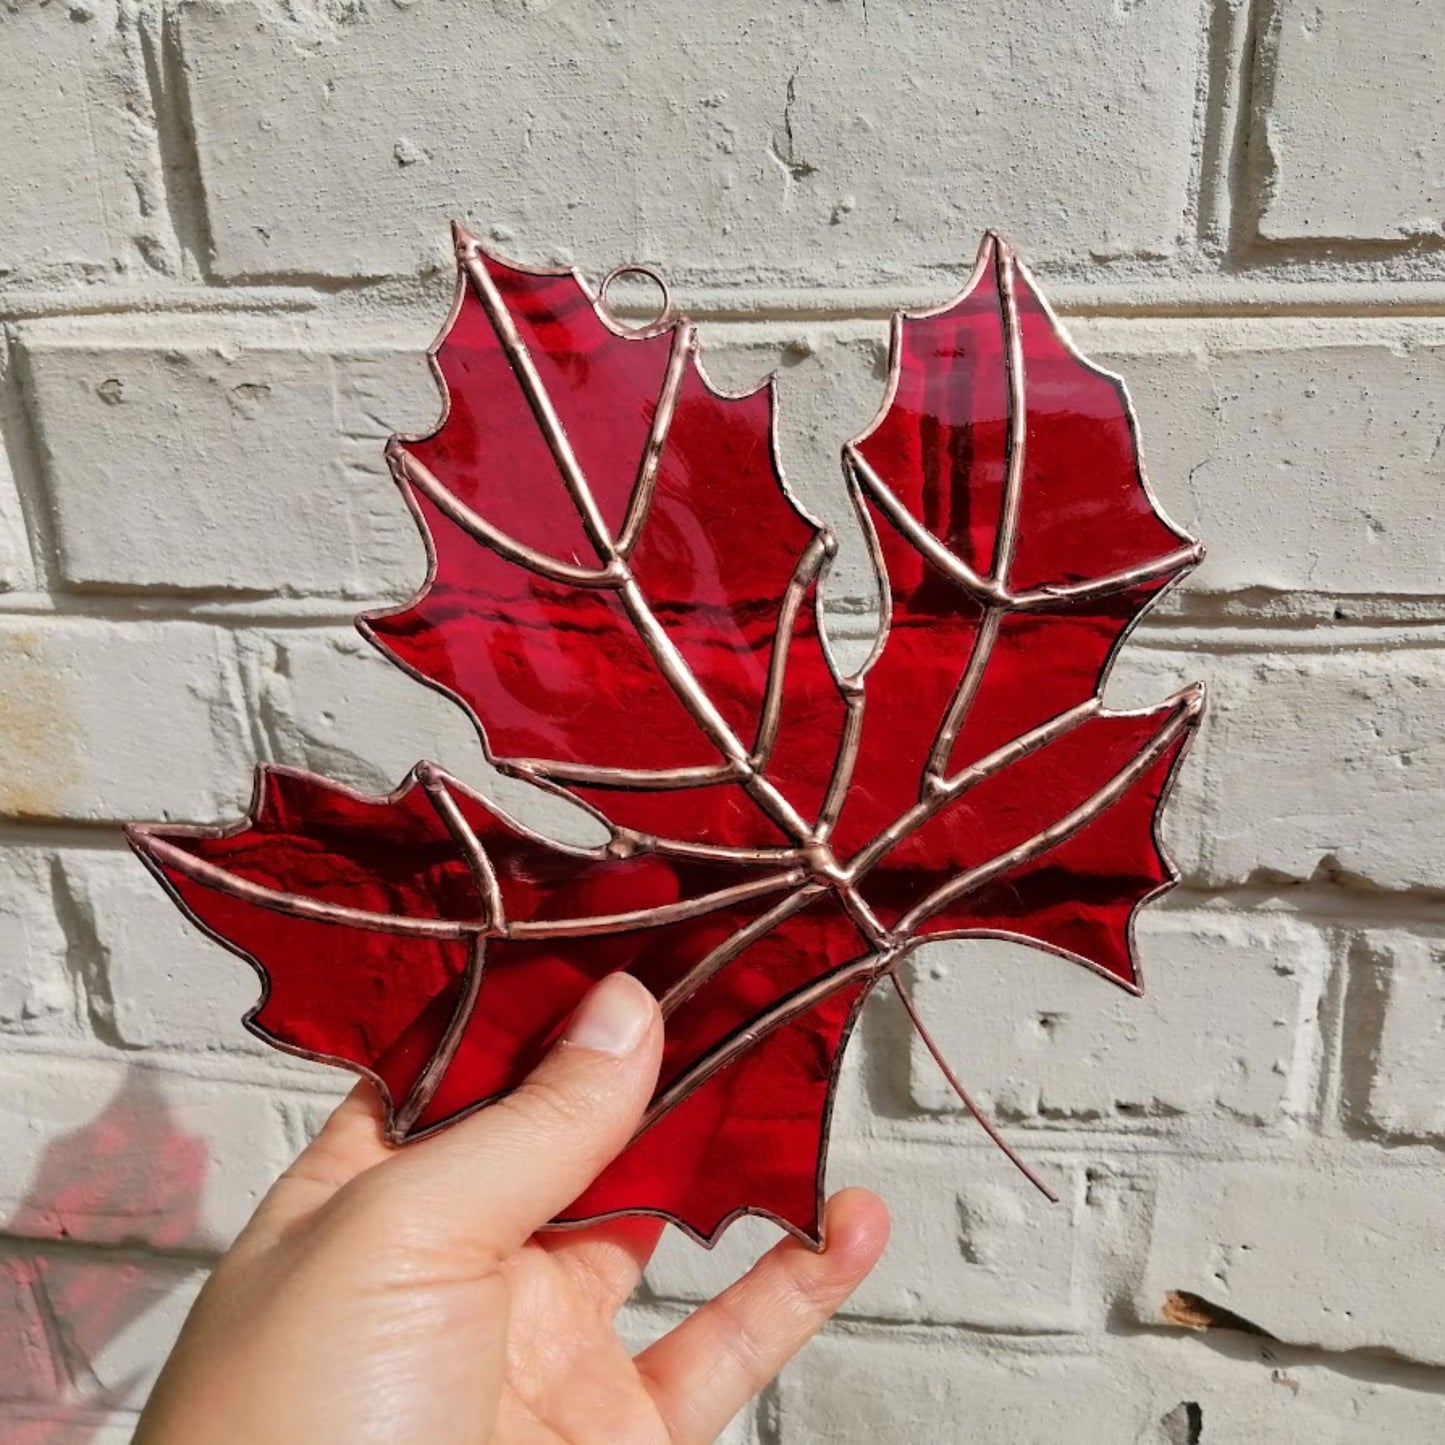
x=1226, y=121
x=32, y=1246
x=1256, y=283
x=1365, y=1363
x=182, y=186
x=25, y=453
x=1250, y=174
x=851, y=619
x=1201, y=132
x=1328, y=1098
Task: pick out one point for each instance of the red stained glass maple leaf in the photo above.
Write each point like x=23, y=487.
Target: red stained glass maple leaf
x=624, y=597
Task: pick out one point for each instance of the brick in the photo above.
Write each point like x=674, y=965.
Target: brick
x=1305, y=454
x=67, y=1425
x=35, y=993
x=1255, y=1131
x=111, y=1322
x=144, y=448
x=481, y=120
x=331, y=702
x=123, y=1319
x=970, y=1244
x=1227, y=1025
x=15, y=566
x=105, y=1155
x=306, y=1113
x=27, y=1369
x=118, y=1428
x=1394, y=1028
x=731, y=148
x=1327, y=1256
x=1329, y=763
x=156, y=981
x=1345, y=77
x=80, y=191
x=783, y=154
x=1245, y=1389
x=941, y=1391
x=226, y=465
x=1310, y=764
x=1345, y=422
x=105, y=721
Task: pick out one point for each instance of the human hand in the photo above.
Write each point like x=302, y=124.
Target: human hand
x=407, y=1297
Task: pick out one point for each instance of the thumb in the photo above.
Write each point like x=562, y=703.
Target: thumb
x=493, y=1179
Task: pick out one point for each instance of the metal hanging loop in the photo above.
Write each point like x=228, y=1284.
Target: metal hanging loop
x=665, y=319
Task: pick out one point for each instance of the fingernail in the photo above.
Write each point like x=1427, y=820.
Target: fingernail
x=612, y=1018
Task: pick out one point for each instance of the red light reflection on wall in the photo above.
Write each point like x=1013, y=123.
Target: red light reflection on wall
x=73, y=1268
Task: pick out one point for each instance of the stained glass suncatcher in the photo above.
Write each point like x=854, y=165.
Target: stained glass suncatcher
x=623, y=594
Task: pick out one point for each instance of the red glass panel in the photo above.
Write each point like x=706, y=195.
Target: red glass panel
x=624, y=597
x=489, y=451
x=682, y=495
x=752, y=1140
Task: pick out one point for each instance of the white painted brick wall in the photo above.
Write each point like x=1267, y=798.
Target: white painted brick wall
x=167, y=465
x=1322, y=420
x=14, y=547
x=81, y=193
x=1333, y=177
x=1317, y=760
x=853, y=1387
x=745, y=146
x=222, y=254
x=1265, y=1238
x=1227, y=1025
x=92, y=702
x=142, y=960
x=37, y=993
x=1398, y=1023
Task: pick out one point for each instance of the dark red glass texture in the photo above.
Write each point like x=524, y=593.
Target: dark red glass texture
x=623, y=596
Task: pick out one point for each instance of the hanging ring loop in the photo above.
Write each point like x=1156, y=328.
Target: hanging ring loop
x=666, y=316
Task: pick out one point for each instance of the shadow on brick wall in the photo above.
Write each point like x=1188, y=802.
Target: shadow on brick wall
x=82, y=1261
